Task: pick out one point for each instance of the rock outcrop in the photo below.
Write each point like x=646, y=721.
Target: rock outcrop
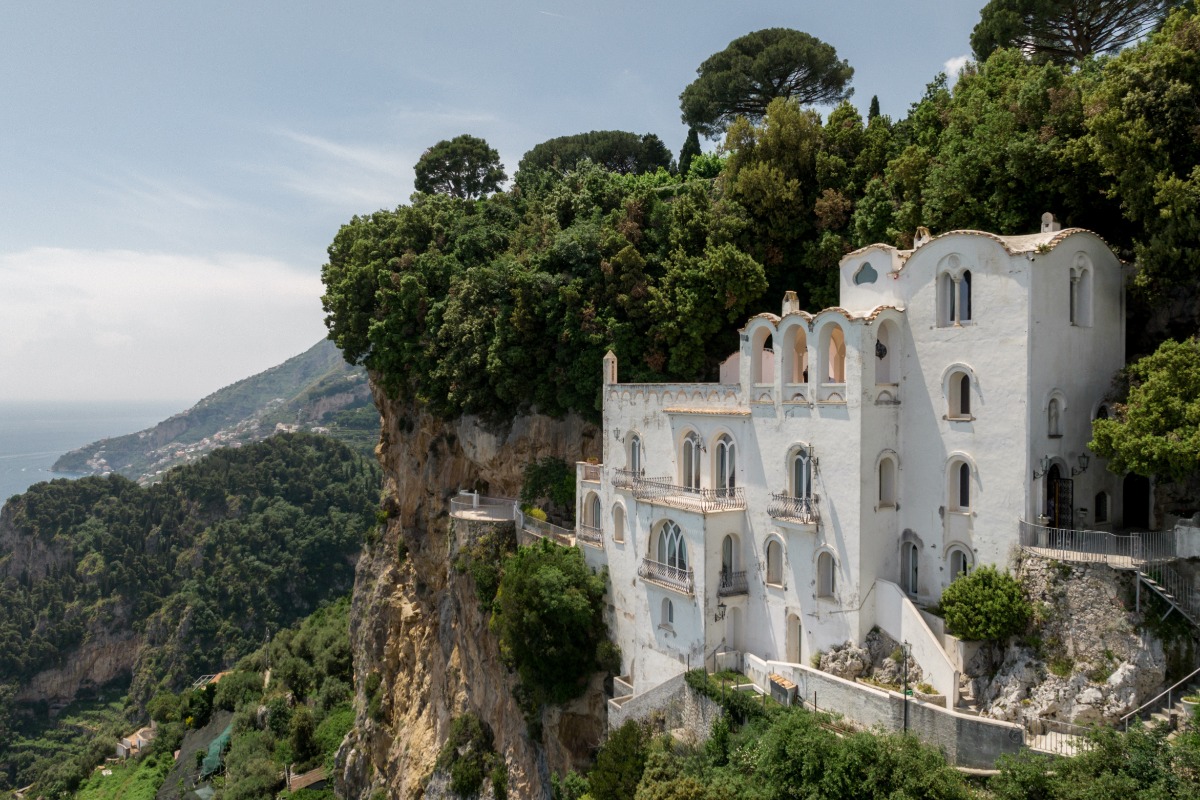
x=420, y=639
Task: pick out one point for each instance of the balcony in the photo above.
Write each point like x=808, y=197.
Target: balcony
x=589, y=534
x=674, y=578
x=663, y=492
x=732, y=583
x=625, y=478
x=589, y=472
x=801, y=510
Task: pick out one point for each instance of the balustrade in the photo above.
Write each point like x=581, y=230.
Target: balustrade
x=795, y=509
x=665, y=575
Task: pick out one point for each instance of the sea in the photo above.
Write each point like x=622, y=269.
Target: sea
x=34, y=434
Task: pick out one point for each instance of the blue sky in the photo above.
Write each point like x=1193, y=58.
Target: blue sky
x=172, y=172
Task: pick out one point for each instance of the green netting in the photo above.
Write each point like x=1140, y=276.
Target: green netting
x=212, y=761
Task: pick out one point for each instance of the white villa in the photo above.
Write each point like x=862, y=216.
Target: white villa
x=855, y=460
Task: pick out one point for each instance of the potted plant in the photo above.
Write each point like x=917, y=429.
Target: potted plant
x=1189, y=703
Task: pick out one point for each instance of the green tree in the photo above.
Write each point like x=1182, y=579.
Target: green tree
x=617, y=151
x=465, y=166
x=691, y=149
x=1156, y=430
x=620, y=763
x=548, y=619
x=986, y=604
x=1064, y=31
x=754, y=69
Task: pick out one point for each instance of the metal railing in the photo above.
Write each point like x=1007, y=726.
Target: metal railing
x=1120, y=550
x=483, y=509
x=732, y=583
x=665, y=575
x=590, y=472
x=1174, y=692
x=625, y=478
x=548, y=530
x=797, y=509
x=589, y=534
x=1055, y=736
x=1176, y=589
x=662, y=491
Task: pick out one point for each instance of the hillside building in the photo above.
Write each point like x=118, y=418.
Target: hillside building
x=852, y=462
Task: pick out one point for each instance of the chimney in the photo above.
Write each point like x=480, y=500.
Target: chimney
x=790, y=303
x=1050, y=224
x=921, y=237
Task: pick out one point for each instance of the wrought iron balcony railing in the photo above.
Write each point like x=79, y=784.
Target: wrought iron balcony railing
x=665, y=575
x=663, y=492
x=625, y=478
x=732, y=583
x=589, y=534
x=795, y=509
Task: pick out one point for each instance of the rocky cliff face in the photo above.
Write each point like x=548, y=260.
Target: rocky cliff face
x=416, y=628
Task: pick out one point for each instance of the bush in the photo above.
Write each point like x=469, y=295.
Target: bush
x=986, y=604
x=549, y=480
x=467, y=755
x=620, y=763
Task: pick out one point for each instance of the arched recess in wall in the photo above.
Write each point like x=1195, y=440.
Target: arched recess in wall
x=667, y=614
x=887, y=353
x=832, y=352
x=954, y=288
x=591, y=515
x=802, y=467
x=634, y=456
x=725, y=464
x=794, y=361
x=618, y=514
x=959, y=560
x=826, y=566
x=1055, y=407
x=1080, y=308
x=910, y=562
x=962, y=392
x=961, y=483
x=775, y=558
x=762, y=353
x=671, y=545
x=689, y=460
x=887, y=472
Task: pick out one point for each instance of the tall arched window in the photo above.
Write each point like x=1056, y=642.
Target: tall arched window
x=1053, y=421
x=826, y=575
x=960, y=499
x=668, y=613
x=727, y=565
x=960, y=563
x=594, y=516
x=801, y=477
x=774, y=562
x=964, y=297
x=618, y=523
x=887, y=482
x=909, y=565
x=945, y=300
x=797, y=355
x=960, y=396
x=672, y=548
x=691, y=462
x=1081, y=297
x=726, y=465
x=635, y=454
x=836, y=357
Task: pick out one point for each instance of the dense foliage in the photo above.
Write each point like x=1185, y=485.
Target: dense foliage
x=616, y=151
x=465, y=167
x=548, y=618
x=201, y=564
x=1065, y=30
x=503, y=304
x=753, y=70
x=1155, y=430
x=986, y=604
x=468, y=756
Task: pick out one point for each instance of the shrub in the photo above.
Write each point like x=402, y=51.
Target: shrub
x=550, y=480
x=467, y=755
x=986, y=604
x=620, y=763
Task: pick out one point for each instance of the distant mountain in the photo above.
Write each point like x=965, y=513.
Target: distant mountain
x=316, y=390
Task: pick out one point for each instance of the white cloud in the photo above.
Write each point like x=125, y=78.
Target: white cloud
x=953, y=66
x=121, y=324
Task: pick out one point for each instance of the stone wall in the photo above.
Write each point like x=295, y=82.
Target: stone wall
x=672, y=703
x=966, y=741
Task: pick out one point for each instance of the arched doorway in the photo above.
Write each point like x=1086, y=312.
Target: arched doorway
x=795, y=632
x=1135, y=496
x=1059, y=500
x=733, y=630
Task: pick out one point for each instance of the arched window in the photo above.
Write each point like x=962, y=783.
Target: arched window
x=945, y=300
x=727, y=564
x=635, y=454
x=964, y=297
x=1081, y=297
x=796, y=367
x=618, y=523
x=594, y=509
x=887, y=347
x=691, y=462
x=826, y=578
x=887, y=482
x=801, y=477
x=960, y=563
x=1102, y=411
x=1101, y=503
x=726, y=465
x=960, y=491
x=668, y=613
x=774, y=562
x=672, y=548
x=960, y=396
x=909, y=565
x=1053, y=423
x=836, y=356
x=764, y=364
